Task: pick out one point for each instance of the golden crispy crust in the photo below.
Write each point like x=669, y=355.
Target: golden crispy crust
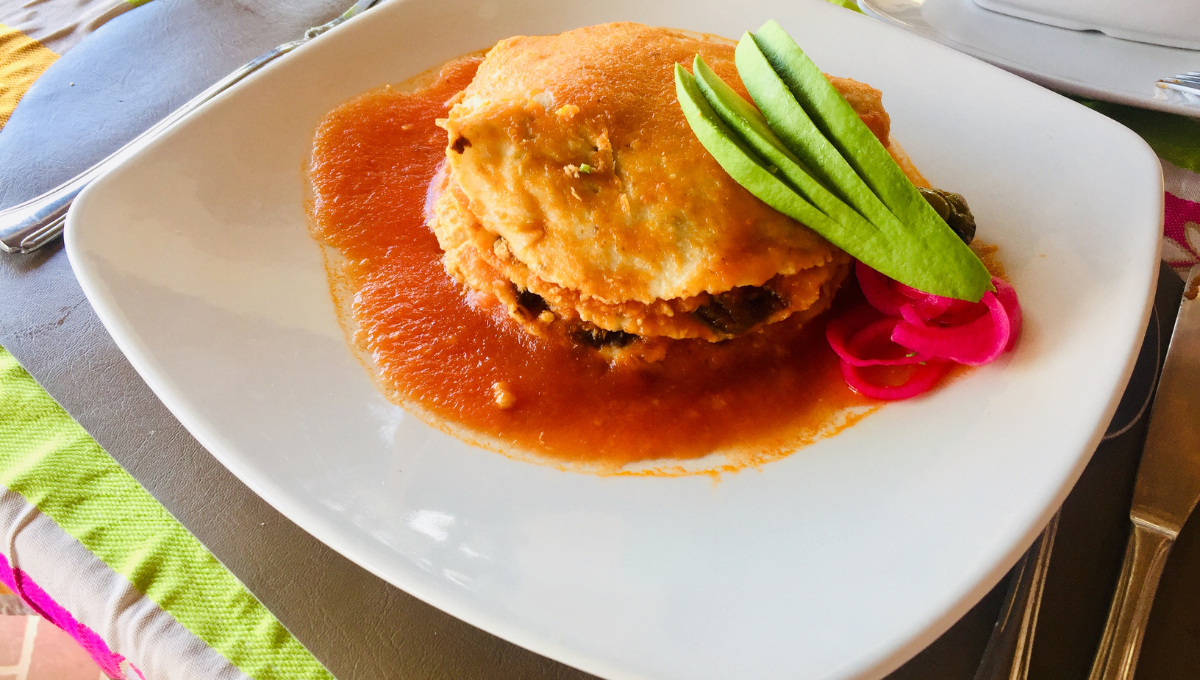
x=572, y=175
x=867, y=102
x=656, y=218
x=481, y=261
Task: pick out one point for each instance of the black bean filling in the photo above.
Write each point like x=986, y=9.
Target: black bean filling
x=587, y=334
x=736, y=311
x=531, y=302
x=582, y=333
x=730, y=313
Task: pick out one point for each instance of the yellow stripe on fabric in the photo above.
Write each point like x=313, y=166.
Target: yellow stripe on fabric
x=48, y=458
x=22, y=61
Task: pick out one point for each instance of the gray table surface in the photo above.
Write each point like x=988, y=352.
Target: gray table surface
x=141, y=65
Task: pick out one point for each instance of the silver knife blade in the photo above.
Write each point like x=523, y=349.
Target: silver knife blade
x=1168, y=479
x=1165, y=493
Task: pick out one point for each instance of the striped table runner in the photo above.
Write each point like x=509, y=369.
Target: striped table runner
x=34, y=34
x=75, y=524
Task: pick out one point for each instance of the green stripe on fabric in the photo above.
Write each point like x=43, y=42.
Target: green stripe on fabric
x=50, y=460
x=848, y=4
x=1174, y=138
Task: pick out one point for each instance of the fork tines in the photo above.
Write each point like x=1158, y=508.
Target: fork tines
x=1185, y=82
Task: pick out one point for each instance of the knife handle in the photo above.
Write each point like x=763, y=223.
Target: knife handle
x=1145, y=557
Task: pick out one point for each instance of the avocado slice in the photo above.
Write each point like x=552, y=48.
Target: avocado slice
x=934, y=259
x=797, y=131
x=740, y=161
x=799, y=134
x=749, y=124
x=737, y=135
x=853, y=233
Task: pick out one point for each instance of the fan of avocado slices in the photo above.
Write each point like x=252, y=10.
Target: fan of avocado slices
x=806, y=153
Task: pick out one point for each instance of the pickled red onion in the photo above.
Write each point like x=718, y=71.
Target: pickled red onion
x=877, y=291
x=1007, y=295
x=920, y=382
x=850, y=334
x=888, y=296
x=961, y=312
x=910, y=292
x=927, y=305
x=933, y=330
x=910, y=315
x=933, y=306
x=975, y=343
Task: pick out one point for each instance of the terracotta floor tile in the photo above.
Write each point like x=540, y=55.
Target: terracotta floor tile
x=12, y=633
x=56, y=656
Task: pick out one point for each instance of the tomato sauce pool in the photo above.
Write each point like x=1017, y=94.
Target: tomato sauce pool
x=439, y=349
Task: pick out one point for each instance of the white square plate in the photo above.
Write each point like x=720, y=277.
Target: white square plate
x=1083, y=63
x=840, y=561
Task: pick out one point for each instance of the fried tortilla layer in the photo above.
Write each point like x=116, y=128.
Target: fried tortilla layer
x=481, y=260
x=575, y=186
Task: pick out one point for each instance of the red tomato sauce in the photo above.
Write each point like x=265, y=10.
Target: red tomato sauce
x=438, y=349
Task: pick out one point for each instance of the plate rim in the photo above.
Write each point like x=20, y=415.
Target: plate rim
x=873, y=9
x=110, y=313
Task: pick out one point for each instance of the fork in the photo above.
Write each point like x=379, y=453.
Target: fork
x=1010, y=646
x=30, y=225
x=1188, y=83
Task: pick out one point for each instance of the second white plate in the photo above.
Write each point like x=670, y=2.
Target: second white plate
x=840, y=561
x=1084, y=63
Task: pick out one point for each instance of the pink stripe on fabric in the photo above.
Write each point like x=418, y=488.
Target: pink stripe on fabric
x=1178, y=214
x=32, y=594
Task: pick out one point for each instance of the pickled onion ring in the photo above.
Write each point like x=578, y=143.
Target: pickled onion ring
x=877, y=291
x=889, y=296
x=976, y=343
x=961, y=312
x=910, y=292
x=938, y=331
x=1007, y=295
x=850, y=334
x=920, y=382
x=927, y=305
x=909, y=314
x=839, y=331
x=933, y=306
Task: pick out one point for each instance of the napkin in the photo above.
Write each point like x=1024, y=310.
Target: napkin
x=78, y=525
x=1176, y=140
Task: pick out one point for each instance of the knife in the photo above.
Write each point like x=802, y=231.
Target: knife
x=1166, y=491
x=30, y=225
